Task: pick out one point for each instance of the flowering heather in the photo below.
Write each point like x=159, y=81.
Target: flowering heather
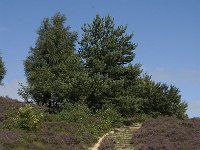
x=168, y=134
x=107, y=144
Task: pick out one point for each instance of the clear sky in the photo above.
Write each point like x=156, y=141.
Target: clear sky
x=167, y=33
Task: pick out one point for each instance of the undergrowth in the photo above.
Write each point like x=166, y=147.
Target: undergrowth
x=76, y=127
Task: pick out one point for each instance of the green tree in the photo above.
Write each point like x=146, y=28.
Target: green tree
x=107, y=53
x=159, y=99
x=106, y=49
x=2, y=70
x=52, y=67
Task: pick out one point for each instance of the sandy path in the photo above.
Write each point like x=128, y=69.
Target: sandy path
x=96, y=146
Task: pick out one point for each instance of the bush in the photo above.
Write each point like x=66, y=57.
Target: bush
x=27, y=117
x=75, y=113
x=96, y=124
x=107, y=144
x=106, y=119
x=109, y=115
x=138, y=118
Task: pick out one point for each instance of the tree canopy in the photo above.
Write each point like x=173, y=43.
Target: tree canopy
x=52, y=64
x=107, y=53
x=101, y=75
x=2, y=70
x=105, y=48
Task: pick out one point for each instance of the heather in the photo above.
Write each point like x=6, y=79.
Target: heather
x=25, y=126
x=5, y=105
x=168, y=134
x=107, y=144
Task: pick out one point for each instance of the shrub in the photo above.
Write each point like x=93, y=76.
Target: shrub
x=27, y=117
x=138, y=118
x=75, y=113
x=107, y=144
x=106, y=119
x=109, y=115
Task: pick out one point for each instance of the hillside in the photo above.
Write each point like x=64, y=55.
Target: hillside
x=168, y=134
x=73, y=128
x=51, y=134
x=156, y=134
x=77, y=129
x=5, y=105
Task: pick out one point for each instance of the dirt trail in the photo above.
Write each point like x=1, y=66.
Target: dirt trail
x=99, y=142
x=122, y=137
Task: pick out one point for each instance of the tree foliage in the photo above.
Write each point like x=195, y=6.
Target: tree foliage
x=107, y=53
x=2, y=70
x=160, y=99
x=102, y=75
x=106, y=48
x=52, y=65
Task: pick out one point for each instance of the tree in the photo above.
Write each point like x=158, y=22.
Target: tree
x=2, y=70
x=102, y=75
x=107, y=53
x=159, y=99
x=52, y=67
x=106, y=49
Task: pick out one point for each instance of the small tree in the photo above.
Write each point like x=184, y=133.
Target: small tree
x=53, y=65
x=2, y=70
x=27, y=117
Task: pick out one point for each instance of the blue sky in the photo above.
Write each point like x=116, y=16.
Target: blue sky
x=167, y=33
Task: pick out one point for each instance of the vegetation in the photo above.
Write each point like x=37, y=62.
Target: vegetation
x=168, y=134
x=107, y=144
x=159, y=99
x=107, y=53
x=73, y=128
x=78, y=95
x=27, y=118
x=6, y=104
x=52, y=65
x=102, y=75
x=2, y=70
